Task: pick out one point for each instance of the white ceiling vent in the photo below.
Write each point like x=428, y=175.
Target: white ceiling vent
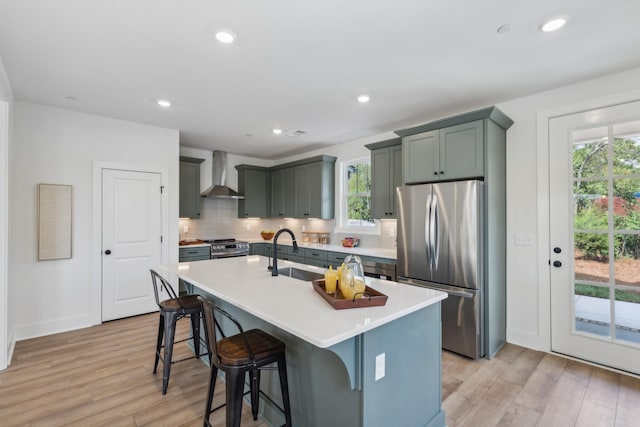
x=296, y=132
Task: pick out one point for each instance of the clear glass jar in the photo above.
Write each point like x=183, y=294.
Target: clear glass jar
x=352, y=283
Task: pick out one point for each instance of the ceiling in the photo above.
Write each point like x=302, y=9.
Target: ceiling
x=300, y=65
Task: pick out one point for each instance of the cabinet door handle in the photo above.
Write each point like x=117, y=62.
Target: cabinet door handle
x=435, y=173
x=441, y=172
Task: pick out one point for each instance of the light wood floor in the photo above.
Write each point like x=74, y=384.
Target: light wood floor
x=102, y=376
x=522, y=387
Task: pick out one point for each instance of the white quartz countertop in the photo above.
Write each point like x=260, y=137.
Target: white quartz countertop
x=195, y=245
x=293, y=305
x=360, y=250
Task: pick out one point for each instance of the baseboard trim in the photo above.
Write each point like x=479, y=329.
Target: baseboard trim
x=53, y=326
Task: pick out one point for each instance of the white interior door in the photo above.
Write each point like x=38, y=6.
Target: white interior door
x=595, y=235
x=131, y=241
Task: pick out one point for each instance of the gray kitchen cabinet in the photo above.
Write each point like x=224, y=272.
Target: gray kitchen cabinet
x=451, y=153
x=257, y=249
x=253, y=183
x=301, y=189
x=335, y=259
x=386, y=175
x=191, y=253
x=315, y=257
x=282, y=200
x=189, y=187
x=313, y=187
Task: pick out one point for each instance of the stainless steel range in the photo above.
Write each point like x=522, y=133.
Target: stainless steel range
x=227, y=248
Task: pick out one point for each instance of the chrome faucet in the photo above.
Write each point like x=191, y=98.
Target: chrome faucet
x=274, y=252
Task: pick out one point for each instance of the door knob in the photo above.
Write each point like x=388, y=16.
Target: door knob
x=557, y=264
x=557, y=250
x=107, y=252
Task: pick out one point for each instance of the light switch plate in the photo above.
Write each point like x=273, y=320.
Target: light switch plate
x=380, y=362
x=523, y=239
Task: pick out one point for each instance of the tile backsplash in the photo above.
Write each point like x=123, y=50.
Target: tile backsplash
x=219, y=219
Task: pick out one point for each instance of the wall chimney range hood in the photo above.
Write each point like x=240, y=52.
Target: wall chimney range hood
x=219, y=189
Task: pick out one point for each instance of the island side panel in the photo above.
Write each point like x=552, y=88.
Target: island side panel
x=409, y=394
x=320, y=391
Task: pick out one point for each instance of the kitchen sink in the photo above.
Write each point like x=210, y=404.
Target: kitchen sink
x=296, y=273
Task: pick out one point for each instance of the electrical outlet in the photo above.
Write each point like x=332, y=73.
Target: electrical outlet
x=185, y=229
x=304, y=228
x=392, y=232
x=248, y=226
x=380, y=366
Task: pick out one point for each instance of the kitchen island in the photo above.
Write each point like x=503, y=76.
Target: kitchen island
x=375, y=366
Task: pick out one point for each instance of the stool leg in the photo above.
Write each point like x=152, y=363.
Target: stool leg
x=254, y=384
x=169, y=335
x=234, y=389
x=212, y=387
x=195, y=330
x=159, y=344
x=284, y=387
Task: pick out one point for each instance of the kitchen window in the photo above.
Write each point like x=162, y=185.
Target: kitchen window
x=355, y=198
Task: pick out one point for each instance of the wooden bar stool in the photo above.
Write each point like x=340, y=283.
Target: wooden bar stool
x=246, y=352
x=173, y=309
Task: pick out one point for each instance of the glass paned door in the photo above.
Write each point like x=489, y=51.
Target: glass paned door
x=595, y=213
x=606, y=195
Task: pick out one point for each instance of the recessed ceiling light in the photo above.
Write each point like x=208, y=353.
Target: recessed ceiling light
x=363, y=99
x=553, y=24
x=225, y=36
x=277, y=131
x=164, y=103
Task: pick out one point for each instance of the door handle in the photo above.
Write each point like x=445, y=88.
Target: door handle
x=557, y=250
x=107, y=252
x=557, y=264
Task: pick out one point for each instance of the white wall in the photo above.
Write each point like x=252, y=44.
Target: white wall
x=6, y=107
x=528, y=187
x=60, y=146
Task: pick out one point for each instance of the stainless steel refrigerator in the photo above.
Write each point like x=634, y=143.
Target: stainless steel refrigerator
x=440, y=246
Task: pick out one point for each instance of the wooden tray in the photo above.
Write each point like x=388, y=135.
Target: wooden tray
x=371, y=298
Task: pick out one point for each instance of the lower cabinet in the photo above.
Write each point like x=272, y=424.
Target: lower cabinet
x=257, y=249
x=197, y=253
x=315, y=257
x=335, y=259
x=312, y=256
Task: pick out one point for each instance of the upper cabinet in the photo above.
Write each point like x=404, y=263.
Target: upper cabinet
x=455, y=152
x=189, y=187
x=450, y=149
x=282, y=202
x=314, y=187
x=386, y=175
x=300, y=189
x=253, y=183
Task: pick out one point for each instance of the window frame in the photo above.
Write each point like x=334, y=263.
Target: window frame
x=342, y=225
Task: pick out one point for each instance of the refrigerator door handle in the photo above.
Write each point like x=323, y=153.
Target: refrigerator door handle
x=427, y=229
x=435, y=233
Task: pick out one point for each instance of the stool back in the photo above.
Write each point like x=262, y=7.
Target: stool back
x=214, y=331
x=163, y=285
